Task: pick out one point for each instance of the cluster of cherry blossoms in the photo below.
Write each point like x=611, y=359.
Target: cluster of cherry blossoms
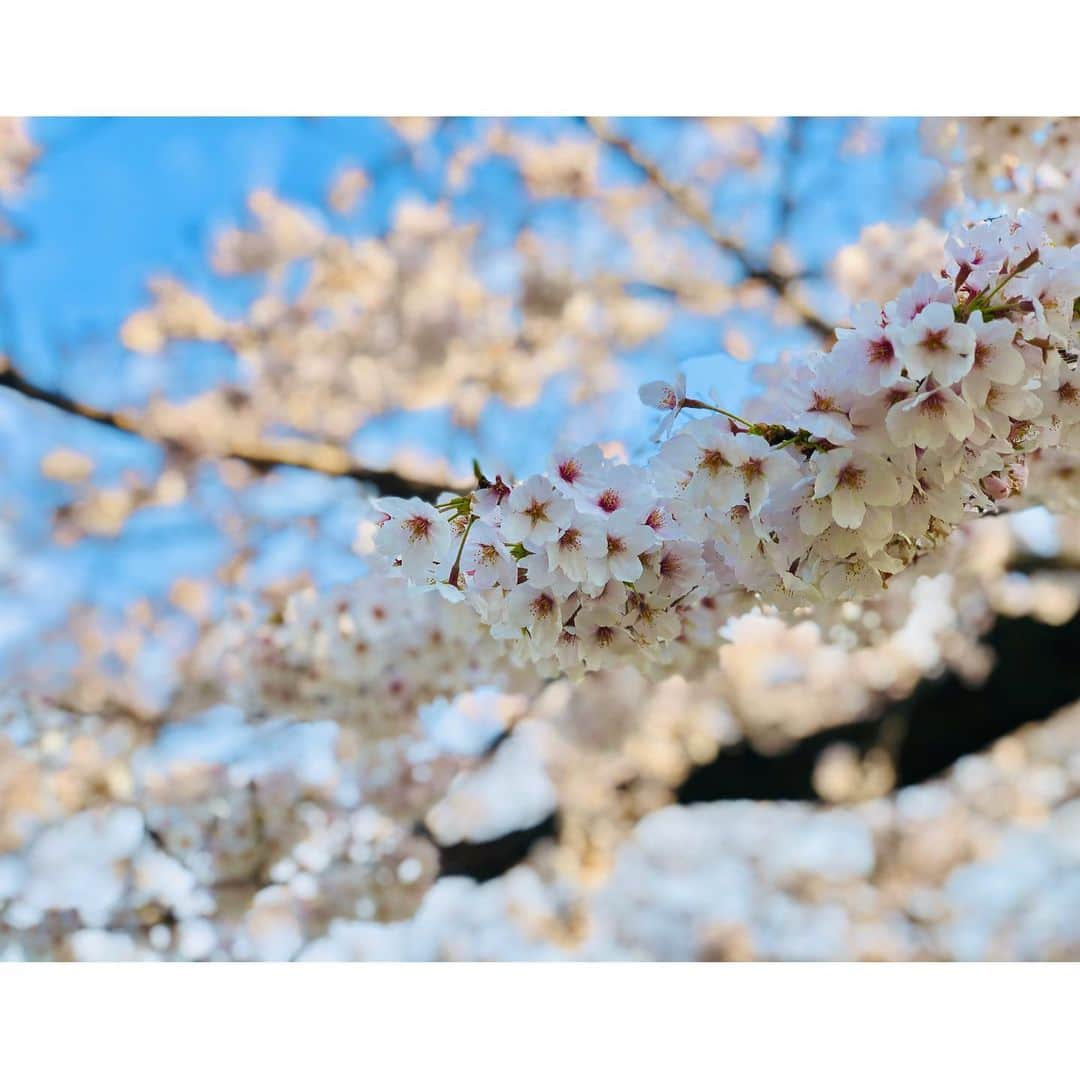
x=367, y=657
x=923, y=412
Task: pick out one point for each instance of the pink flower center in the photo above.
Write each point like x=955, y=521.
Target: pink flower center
x=933, y=404
x=880, y=351
x=569, y=470
x=570, y=540
x=487, y=554
x=670, y=565
x=418, y=527
x=542, y=606
x=536, y=511
x=751, y=469
x=712, y=461
x=609, y=501
x=850, y=477
x=934, y=341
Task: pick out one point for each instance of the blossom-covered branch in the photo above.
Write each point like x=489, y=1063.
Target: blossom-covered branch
x=866, y=458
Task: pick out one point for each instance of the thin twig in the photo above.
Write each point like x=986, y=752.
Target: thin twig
x=686, y=200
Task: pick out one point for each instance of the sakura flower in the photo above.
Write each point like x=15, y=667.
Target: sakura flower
x=1055, y=289
x=1061, y=406
x=1023, y=235
x=669, y=398
x=581, y=540
x=731, y=468
x=674, y=569
x=660, y=517
x=617, y=487
x=822, y=404
x=1005, y=404
x=535, y=513
x=413, y=533
x=539, y=572
x=929, y=419
x=485, y=560
x=869, y=350
x=650, y=621
x=996, y=360
x=931, y=496
x=624, y=541
x=936, y=344
x=568, y=651
x=532, y=611
x=853, y=579
x=852, y=481
x=925, y=290
x=976, y=254
x=603, y=643
x=574, y=473
x=487, y=501
x=674, y=464
x=761, y=469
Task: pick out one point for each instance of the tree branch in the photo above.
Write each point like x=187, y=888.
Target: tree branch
x=689, y=203
x=262, y=454
x=943, y=720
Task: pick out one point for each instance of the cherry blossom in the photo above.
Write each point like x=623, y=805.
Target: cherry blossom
x=414, y=533
x=867, y=457
x=934, y=344
x=535, y=513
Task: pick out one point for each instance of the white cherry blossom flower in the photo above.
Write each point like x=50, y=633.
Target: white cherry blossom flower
x=535, y=513
x=413, y=533
x=602, y=641
x=930, y=419
x=869, y=350
x=575, y=472
x=935, y=344
x=624, y=541
x=822, y=405
x=535, y=612
x=669, y=398
x=852, y=481
x=996, y=359
x=582, y=539
x=617, y=487
x=1006, y=404
x=976, y=255
x=485, y=560
x=925, y=290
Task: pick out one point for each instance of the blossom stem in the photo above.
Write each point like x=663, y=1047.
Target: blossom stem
x=1024, y=264
x=694, y=403
x=455, y=570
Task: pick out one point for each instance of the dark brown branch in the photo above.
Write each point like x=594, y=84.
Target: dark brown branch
x=943, y=720
x=261, y=454
x=687, y=201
